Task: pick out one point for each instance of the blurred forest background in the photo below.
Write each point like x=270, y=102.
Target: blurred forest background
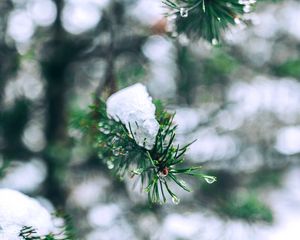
x=240, y=99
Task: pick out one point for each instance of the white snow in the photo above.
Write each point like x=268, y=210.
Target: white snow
x=25, y=177
x=280, y=96
x=147, y=12
x=161, y=53
x=18, y=210
x=134, y=108
x=288, y=140
x=211, y=145
x=103, y=215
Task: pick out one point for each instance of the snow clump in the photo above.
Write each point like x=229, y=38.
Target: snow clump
x=17, y=210
x=134, y=108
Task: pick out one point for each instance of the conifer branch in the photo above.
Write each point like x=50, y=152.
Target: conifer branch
x=67, y=231
x=207, y=18
x=156, y=168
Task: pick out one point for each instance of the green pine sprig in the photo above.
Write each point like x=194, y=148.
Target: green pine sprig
x=29, y=233
x=207, y=18
x=155, y=168
x=67, y=231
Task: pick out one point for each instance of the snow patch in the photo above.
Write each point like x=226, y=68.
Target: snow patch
x=17, y=210
x=134, y=108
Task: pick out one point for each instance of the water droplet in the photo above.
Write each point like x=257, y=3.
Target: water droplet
x=114, y=140
x=175, y=200
x=116, y=152
x=174, y=34
x=237, y=21
x=210, y=179
x=104, y=130
x=229, y=5
x=214, y=41
x=110, y=165
x=183, y=39
x=184, y=12
x=247, y=8
x=219, y=19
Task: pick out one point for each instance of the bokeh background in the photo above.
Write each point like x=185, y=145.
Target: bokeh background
x=240, y=100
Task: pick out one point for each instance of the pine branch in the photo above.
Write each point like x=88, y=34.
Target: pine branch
x=67, y=231
x=156, y=168
x=29, y=233
x=207, y=18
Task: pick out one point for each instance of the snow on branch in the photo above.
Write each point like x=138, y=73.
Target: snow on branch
x=132, y=135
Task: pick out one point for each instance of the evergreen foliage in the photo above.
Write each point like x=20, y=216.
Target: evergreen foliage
x=67, y=231
x=29, y=233
x=289, y=68
x=155, y=168
x=248, y=207
x=207, y=18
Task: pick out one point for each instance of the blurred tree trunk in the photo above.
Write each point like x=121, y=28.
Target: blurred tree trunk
x=7, y=54
x=55, y=59
x=13, y=120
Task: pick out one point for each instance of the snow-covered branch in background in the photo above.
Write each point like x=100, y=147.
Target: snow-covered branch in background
x=17, y=211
